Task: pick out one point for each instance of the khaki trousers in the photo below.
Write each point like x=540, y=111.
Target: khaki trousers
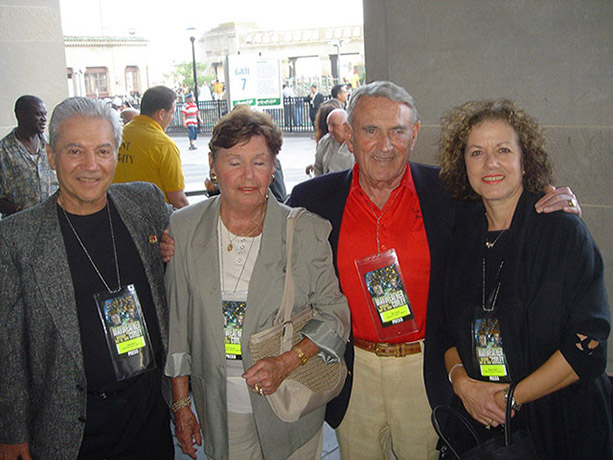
x=388, y=415
x=245, y=445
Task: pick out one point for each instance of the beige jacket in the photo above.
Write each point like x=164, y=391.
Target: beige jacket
x=196, y=345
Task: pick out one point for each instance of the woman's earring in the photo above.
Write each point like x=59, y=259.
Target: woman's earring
x=272, y=178
x=214, y=178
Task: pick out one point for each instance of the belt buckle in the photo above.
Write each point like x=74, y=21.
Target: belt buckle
x=379, y=351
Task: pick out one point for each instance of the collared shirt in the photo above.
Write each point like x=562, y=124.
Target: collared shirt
x=401, y=227
x=25, y=179
x=326, y=147
x=190, y=112
x=341, y=159
x=332, y=157
x=148, y=154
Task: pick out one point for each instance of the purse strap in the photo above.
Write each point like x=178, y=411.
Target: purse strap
x=507, y=415
x=461, y=418
x=284, y=314
x=469, y=427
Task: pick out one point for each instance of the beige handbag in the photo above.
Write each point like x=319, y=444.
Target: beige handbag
x=310, y=386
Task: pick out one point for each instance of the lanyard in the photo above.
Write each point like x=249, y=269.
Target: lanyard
x=382, y=214
x=490, y=303
x=90, y=258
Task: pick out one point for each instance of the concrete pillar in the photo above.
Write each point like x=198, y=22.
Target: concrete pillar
x=33, y=59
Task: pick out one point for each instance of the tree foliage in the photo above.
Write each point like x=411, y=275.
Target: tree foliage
x=184, y=73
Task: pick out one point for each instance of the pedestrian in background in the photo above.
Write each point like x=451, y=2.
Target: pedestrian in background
x=25, y=176
x=190, y=116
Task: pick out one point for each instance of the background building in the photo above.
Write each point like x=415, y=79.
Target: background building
x=106, y=66
x=309, y=55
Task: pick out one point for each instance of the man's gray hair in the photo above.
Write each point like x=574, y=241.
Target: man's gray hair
x=343, y=112
x=385, y=89
x=83, y=107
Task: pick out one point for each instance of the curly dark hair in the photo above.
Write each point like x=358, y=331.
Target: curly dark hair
x=456, y=125
x=240, y=125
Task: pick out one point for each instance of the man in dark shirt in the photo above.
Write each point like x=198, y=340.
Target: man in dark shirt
x=84, y=331
x=315, y=99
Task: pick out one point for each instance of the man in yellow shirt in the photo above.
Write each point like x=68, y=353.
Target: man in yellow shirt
x=147, y=153
x=218, y=90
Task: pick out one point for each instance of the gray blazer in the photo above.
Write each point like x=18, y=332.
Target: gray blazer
x=43, y=393
x=196, y=344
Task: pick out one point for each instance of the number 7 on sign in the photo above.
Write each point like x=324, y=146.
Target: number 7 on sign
x=244, y=82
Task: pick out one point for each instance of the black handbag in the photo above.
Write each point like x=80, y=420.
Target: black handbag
x=516, y=446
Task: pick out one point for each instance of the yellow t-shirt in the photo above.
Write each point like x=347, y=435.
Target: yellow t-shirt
x=148, y=154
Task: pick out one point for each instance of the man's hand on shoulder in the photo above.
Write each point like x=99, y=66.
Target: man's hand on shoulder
x=15, y=451
x=558, y=199
x=167, y=247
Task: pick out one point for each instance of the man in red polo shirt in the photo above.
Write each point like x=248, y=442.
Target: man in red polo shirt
x=392, y=220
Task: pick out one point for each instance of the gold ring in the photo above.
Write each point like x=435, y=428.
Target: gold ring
x=571, y=203
x=261, y=392
x=256, y=388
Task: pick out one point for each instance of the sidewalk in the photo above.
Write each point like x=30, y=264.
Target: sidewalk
x=297, y=152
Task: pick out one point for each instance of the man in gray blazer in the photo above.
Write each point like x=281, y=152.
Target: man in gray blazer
x=83, y=334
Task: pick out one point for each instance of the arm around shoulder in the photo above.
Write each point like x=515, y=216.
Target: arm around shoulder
x=330, y=327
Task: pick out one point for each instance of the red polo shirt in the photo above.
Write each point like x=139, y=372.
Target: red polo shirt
x=401, y=228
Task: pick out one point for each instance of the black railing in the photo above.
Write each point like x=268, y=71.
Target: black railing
x=293, y=117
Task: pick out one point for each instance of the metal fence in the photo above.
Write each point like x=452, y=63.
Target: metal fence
x=293, y=117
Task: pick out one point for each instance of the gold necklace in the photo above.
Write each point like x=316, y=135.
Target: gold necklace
x=221, y=256
x=249, y=235
x=490, y=244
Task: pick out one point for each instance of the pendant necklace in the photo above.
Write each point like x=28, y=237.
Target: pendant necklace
x=381, y=216
x=491, y=244
x=249, y=235
x=90, y=258
x=221, y=256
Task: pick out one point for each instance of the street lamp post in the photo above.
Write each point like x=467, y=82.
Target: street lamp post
x=193, y=39
x=337, y=44
x=338, y=59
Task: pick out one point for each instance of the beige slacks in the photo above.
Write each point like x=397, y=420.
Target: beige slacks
x=388, y=415
x=245, y=445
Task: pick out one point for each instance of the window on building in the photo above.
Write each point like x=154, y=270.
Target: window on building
x=132, y=80
x=96, y=82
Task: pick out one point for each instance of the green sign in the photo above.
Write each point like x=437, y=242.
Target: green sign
x=269, y=101
x=244, y=101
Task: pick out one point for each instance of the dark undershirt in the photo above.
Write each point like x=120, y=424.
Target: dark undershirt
x=94, y=231
x=130, y=418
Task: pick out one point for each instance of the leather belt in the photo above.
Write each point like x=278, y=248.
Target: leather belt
x=397, y=350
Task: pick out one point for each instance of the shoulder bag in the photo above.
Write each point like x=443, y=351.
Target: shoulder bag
x=315, y=383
